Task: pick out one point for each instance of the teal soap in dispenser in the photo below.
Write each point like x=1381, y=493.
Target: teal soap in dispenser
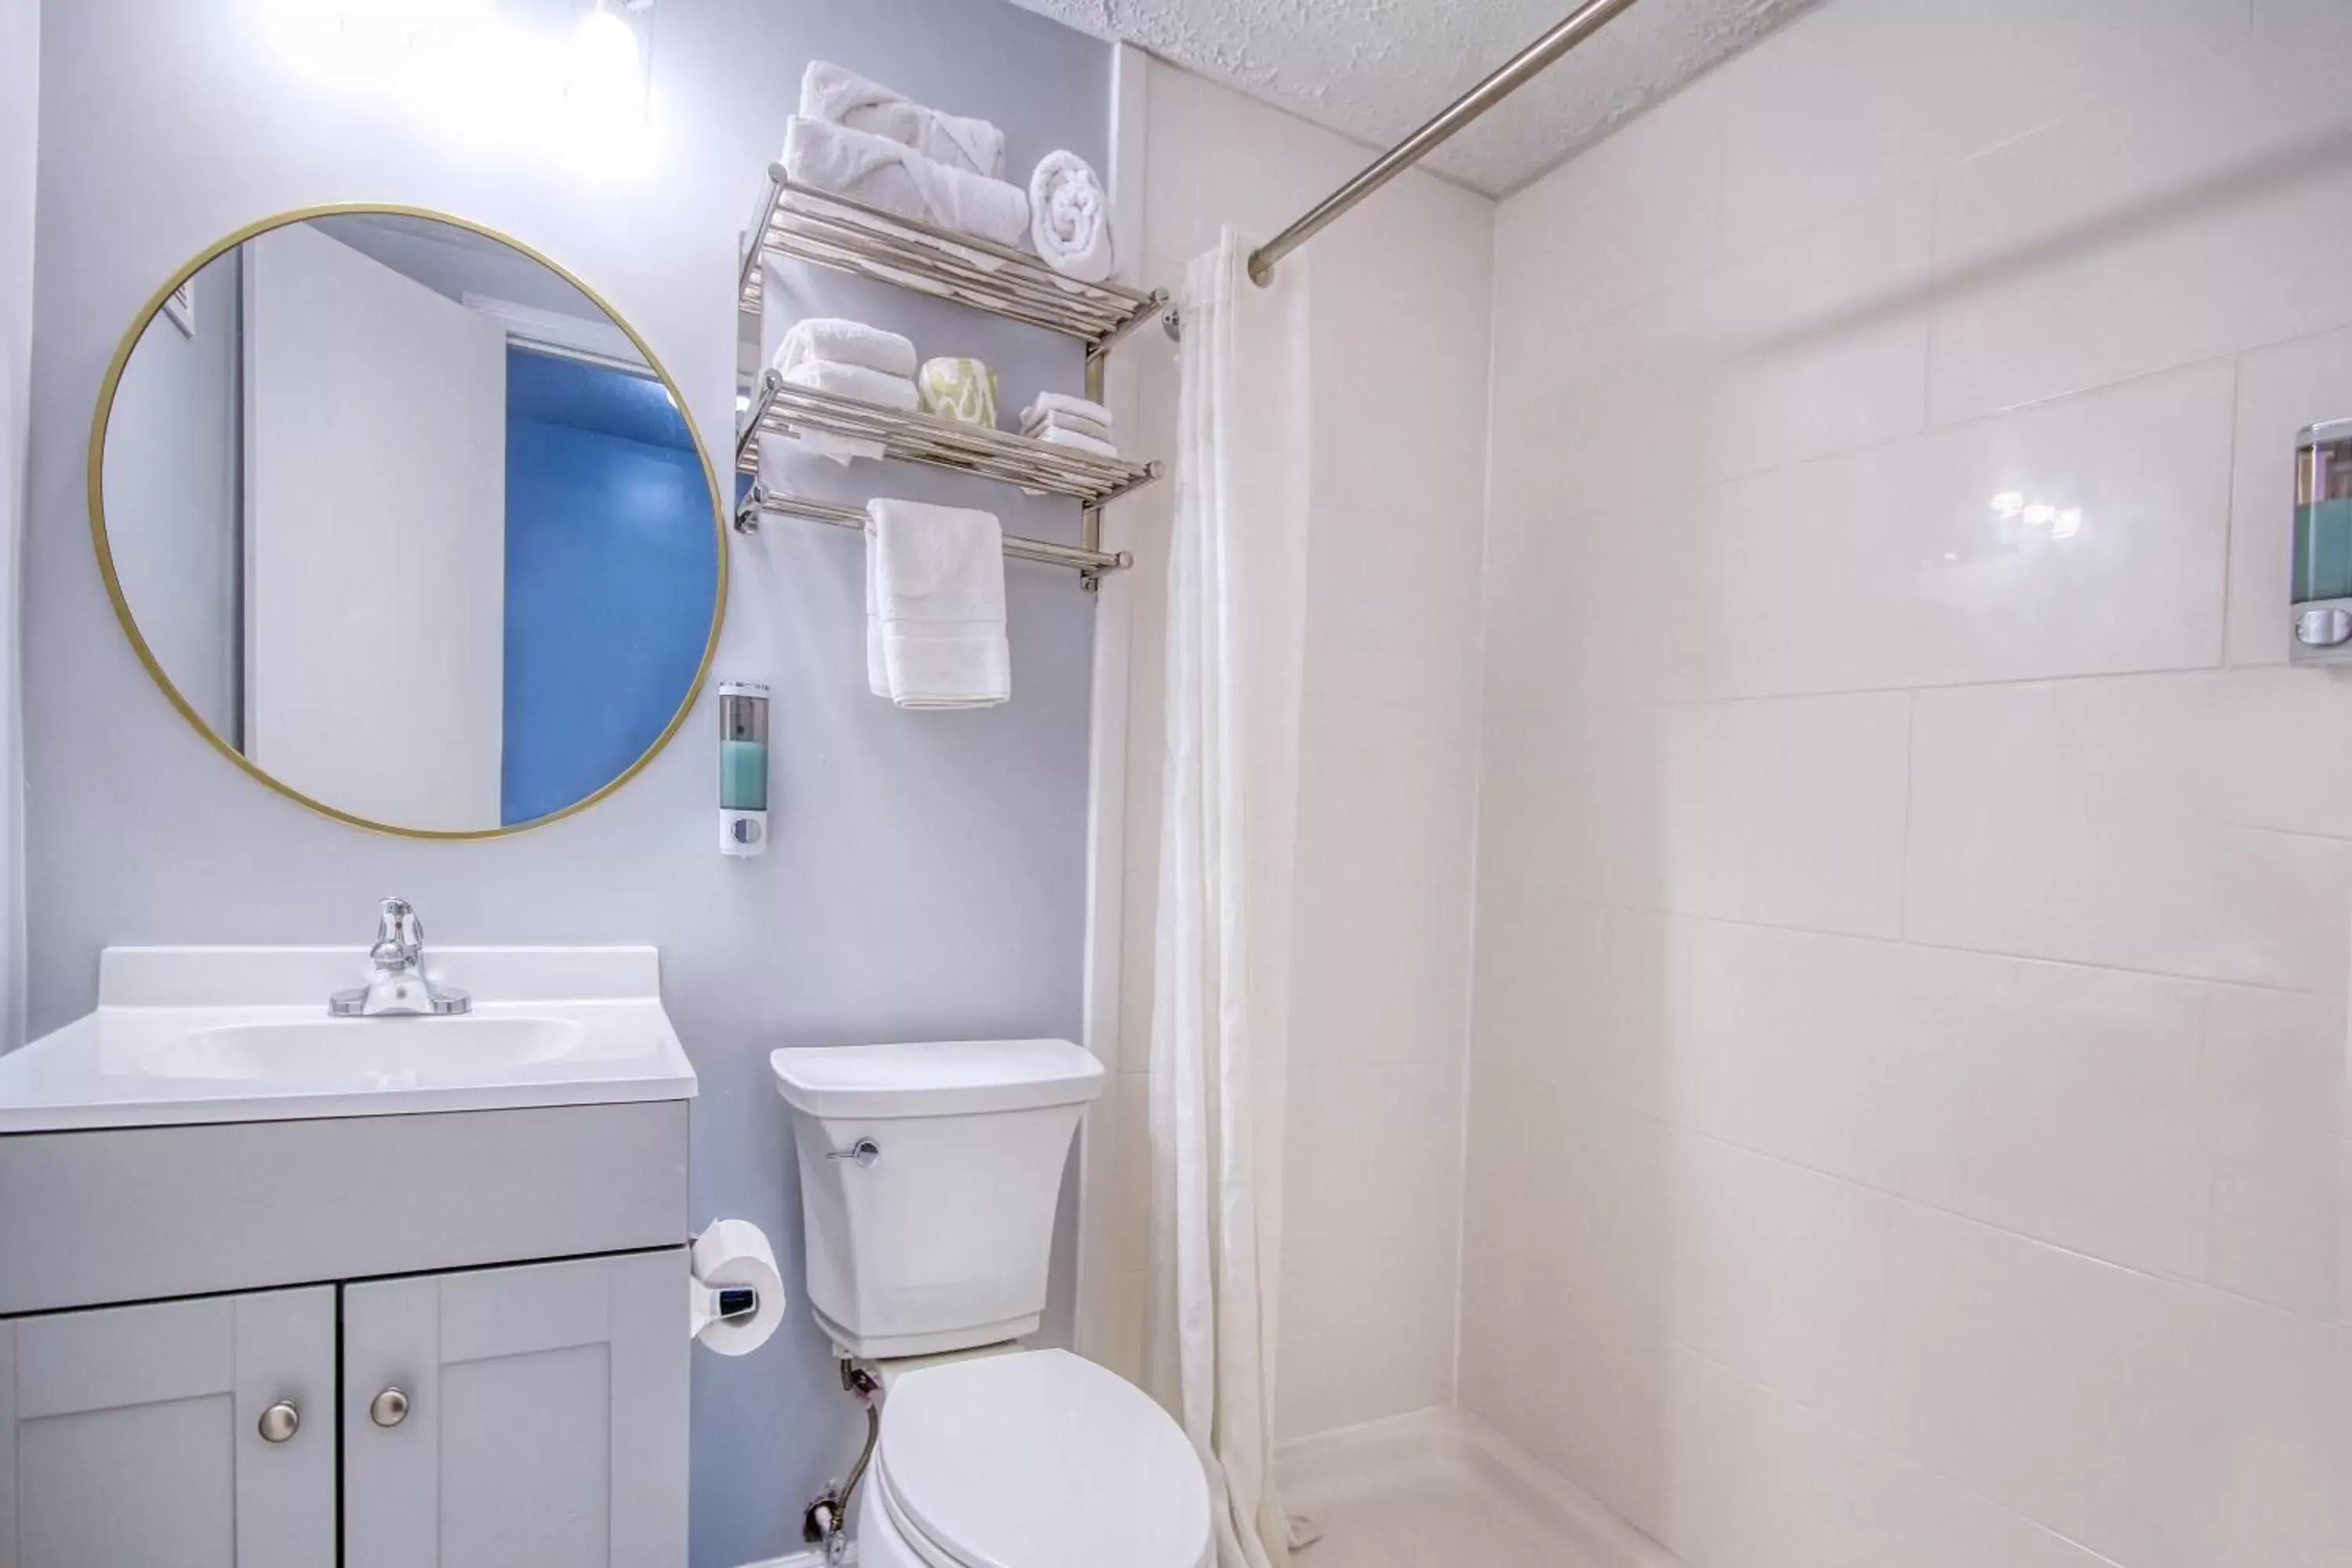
x=742, y=768
x=2323, y=544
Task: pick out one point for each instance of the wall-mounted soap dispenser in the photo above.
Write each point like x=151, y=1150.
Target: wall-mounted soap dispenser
x=2322, y=625
x=742, y=768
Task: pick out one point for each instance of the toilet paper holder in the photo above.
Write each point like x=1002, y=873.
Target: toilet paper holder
x=735, y=1296
x=725, y=1303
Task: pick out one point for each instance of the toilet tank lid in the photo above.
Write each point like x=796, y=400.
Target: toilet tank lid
x=935, y=1077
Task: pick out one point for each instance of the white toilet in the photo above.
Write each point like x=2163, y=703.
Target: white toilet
x=930, y=1174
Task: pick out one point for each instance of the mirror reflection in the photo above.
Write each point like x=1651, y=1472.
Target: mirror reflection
x=408, y=521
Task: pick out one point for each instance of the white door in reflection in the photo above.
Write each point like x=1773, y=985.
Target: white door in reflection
x=375, y=529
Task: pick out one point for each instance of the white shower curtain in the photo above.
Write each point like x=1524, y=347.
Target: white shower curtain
x=1236, y=593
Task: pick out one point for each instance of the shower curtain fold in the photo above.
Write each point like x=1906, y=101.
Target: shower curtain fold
x=1236, y=596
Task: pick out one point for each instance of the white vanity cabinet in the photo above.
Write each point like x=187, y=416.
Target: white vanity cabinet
x=516, y=1415
x=133, y=1435
x=394, y=1342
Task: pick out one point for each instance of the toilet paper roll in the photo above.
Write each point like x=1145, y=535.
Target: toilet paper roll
x=734, y=1252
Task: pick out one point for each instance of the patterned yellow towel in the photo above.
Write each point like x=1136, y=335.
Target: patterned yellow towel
x=958, y=389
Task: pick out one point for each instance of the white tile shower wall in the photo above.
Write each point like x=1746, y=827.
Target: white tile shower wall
x=1909, y=1112
x=1389, y=754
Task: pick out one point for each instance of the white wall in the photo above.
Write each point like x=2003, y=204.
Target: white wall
x=1908, y=1112
x=20, y=99
x=1379, y=989
x=171, y=493
x=376, y=429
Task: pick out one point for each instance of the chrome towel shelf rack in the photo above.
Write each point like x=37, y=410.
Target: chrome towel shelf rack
x=780, y=408
x=800, y=223
x=761, y=500
x=805, y=223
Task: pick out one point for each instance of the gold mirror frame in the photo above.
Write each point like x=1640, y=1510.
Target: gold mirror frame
x=106, y=393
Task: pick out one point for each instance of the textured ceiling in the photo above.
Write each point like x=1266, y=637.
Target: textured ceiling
x=1377, y=68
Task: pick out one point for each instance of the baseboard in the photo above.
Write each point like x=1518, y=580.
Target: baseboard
x=1453, y=1434
x=813, y=1557
x=1435, y=1423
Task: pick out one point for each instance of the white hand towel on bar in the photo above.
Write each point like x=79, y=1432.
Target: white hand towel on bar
x=877, y=663
x=897, y=179
x=841, y=342
x=1070, y=219
x=936, y=575
x=840, y=95
x=1052, y=402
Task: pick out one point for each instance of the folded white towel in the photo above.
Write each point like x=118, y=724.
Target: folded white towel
x=840, y=95
x=856, y=381
x=1070, y=219
x=1050, y=403
x=1078, y=443
x=1071, y=422
x=840, y=342
x=897, y=179
x=935, y=606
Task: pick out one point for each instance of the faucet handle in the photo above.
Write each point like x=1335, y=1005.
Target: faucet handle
x=399, y=934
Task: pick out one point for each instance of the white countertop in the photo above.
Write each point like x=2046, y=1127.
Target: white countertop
x=548, y=1027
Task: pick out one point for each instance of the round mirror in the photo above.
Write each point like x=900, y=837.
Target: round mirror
x=407, y=522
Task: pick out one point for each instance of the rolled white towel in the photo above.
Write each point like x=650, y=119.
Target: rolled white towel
x=1046, y=403
x=840, y=342
x=840, y=95
x=897, y=179
x=1070, y=219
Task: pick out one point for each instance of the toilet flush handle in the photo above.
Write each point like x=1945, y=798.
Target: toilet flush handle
x=865, y=1152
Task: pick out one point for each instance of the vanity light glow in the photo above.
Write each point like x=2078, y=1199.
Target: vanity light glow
x=608, y=79
x=574, y=86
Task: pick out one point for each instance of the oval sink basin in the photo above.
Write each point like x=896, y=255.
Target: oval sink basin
x=388, y=1052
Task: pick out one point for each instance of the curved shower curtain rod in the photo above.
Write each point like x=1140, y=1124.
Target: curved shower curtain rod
x=1514, y=74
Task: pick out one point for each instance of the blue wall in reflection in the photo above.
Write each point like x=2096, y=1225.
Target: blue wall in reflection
x=611, y=570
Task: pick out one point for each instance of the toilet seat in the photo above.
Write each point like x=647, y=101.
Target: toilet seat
x=1038, y=1460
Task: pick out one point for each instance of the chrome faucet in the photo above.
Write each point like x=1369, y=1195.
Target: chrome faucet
x=398, y=987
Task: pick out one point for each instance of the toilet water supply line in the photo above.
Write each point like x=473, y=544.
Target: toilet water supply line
x=826, y=1520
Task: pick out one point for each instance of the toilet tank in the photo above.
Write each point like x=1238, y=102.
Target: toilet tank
x=930, y=1174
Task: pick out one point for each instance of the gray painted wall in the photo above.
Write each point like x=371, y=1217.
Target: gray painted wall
x=927, y=878
x=20, y=53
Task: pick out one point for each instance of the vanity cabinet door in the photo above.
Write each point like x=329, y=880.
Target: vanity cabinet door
x=530, y=1417
x=134, y=1436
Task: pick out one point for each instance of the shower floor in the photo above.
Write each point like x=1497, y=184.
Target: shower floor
x=1439, y=1488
